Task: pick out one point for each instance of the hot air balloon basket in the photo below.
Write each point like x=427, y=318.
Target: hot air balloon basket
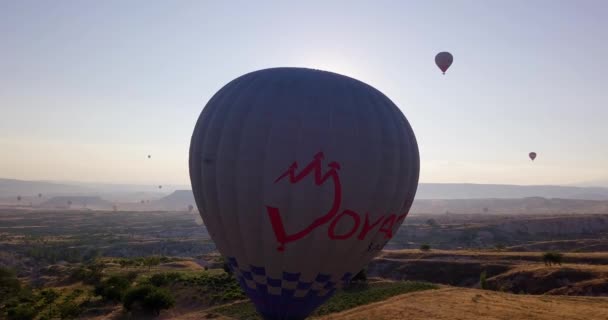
x=289, y=295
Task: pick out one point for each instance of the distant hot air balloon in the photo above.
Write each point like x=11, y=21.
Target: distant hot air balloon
x=190, y=208
x=18, y=198
x=301, y=176
x=142, y=201
x=149, y=156
x=160, y=187
x=532, y=155
x=69, y=202
x=40, y=195
x=444, y=60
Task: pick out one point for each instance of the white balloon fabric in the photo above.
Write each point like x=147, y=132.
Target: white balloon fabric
x=301, y=176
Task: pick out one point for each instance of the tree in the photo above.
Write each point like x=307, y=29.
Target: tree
x=157, y=300
x=23, y=311
x=361, y=276
x=552, y=257
x=151, y=299
x=425, y=247
x=151, y=261
x=113, y=289
x=483, y=280
x=69, y=310
x=9, y=284
x=49, y=295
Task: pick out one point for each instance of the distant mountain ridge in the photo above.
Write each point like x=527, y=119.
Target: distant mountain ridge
x=531, y=205
x=505, y=191
x=12, y=188
x=178, y=200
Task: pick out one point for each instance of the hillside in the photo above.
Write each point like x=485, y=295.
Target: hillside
x=177, y=201
x=472, y=304
x=12, y=187
x=530, y=205
x=516, y=272
x=580, y=232
x=505, y=191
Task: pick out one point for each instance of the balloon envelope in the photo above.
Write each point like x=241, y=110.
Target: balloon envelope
x=532, y=155
x=444, y=60
x=301, y=177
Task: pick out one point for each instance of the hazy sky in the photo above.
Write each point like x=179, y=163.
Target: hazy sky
x=89, y=88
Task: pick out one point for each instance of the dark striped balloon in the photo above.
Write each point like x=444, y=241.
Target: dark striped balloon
x=444, y=60
x=301, y=177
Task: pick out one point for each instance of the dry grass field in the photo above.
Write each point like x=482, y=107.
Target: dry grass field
x=451, y=303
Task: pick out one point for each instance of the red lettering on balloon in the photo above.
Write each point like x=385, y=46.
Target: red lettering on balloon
x=314, y=167
x=367, y=227
x=331, y=231
x=387, y=226
x=320, y=178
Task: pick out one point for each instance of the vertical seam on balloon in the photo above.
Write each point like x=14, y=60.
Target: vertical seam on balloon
x=386, y=106
x=373, y=100
x=232, y=114
x=299, y=117
x=353, y=86
x=229, y=245
x=251, y=85
x=397, y=131
x=317, y=235
x=413, y=152
x=199, y=143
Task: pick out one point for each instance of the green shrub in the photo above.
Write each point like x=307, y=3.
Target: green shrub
x=136, y=294
x=552, y=257
x=360, y=276
x=49, y=295
x=131, y=276
x=157, y=300
x=425, y=247
x=91, y=274
x=150, y=298
x=358, y=282
x=163, y=279
x=113, y=289
x=69, y=310
x=151, y=261
x=24, y=311
x=483, y=284
x=9, y=284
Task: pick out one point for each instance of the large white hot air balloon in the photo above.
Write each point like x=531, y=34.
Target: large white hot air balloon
x=301, y=176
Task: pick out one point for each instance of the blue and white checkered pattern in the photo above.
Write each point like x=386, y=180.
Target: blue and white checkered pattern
x=287, y=297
